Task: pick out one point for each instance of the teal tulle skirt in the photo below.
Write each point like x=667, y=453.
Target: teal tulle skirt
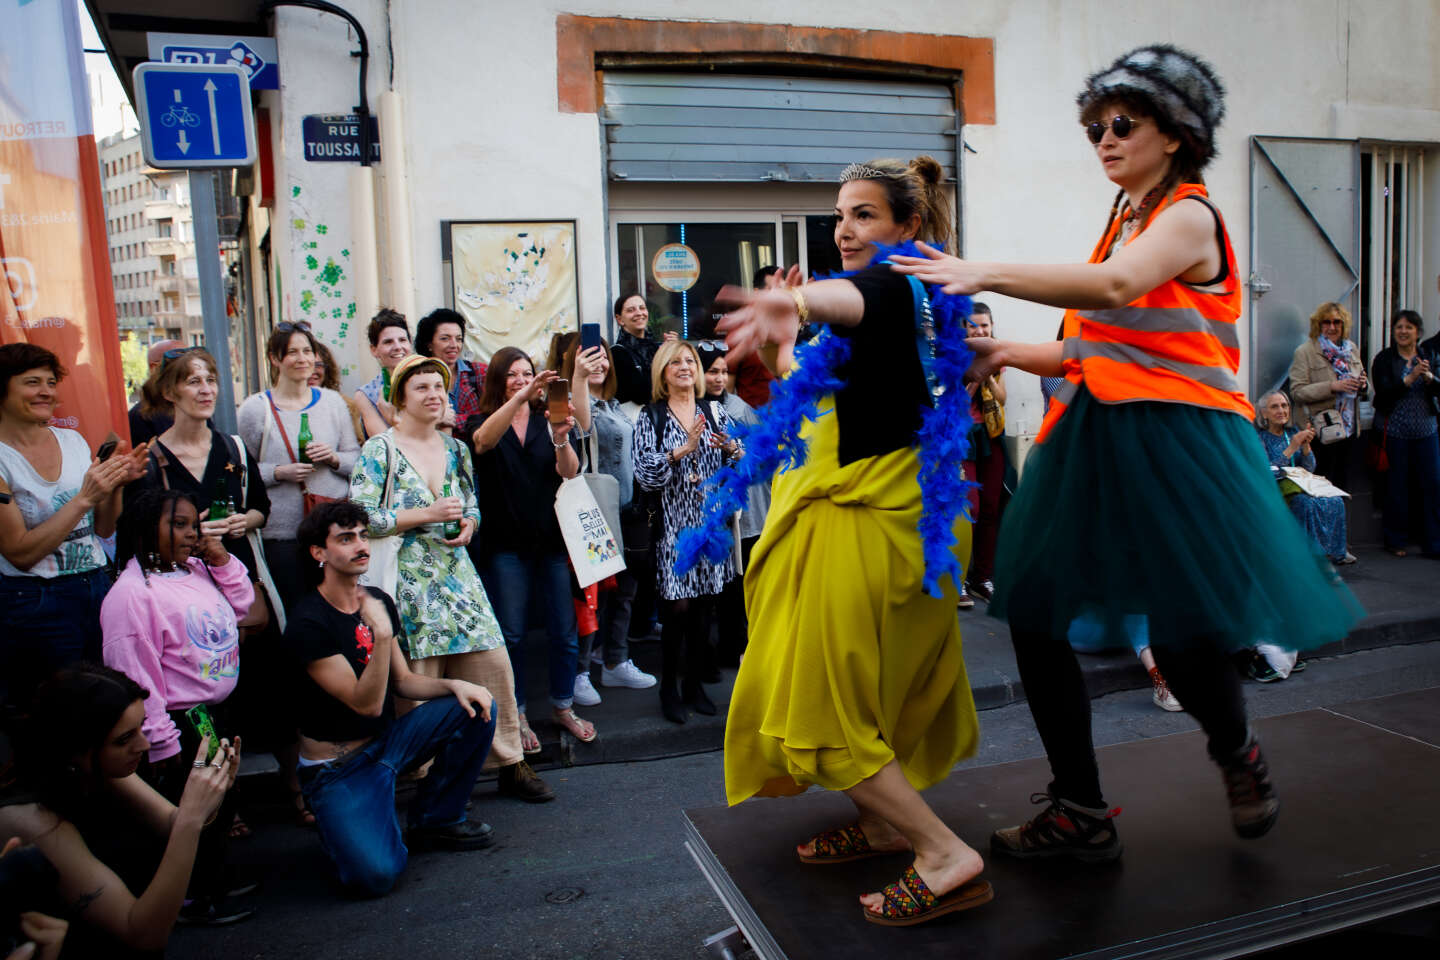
x=1167, y=511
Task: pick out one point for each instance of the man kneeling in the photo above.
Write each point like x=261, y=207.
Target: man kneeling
x=351, y=745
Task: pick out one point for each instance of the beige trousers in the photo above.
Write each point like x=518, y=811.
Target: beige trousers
x=491, y=670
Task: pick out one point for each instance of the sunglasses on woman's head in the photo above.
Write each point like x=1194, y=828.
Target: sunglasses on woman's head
x=176, y=354
x=285, y=326
x=1120, y=125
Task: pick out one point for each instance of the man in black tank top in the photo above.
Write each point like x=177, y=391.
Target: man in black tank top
x=352, y=746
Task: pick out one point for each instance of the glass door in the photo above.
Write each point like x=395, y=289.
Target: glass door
x=679, y=264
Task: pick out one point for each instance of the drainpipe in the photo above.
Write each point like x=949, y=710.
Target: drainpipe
x=399, y=246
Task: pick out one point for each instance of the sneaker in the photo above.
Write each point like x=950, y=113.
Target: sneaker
x=966, y=602
x=980, y=589
x=585, y=694
x=518, y=780
x=1062, y=829
x=597, y=656
x=1162, y=696
x=206, y=912
x=626, y=675
x=1253, y=804
x=465, y=835
x=1257, y=668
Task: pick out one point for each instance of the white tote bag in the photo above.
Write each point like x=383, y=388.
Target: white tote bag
x=384, y=570
x=594, y=550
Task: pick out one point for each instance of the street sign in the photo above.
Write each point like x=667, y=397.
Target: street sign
x=337, y=137
x=258, y=56
x=194, y=116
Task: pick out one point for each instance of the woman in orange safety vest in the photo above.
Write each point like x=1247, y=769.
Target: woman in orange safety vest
x=1147, y=492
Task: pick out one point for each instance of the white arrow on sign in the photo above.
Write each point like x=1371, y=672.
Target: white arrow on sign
x=184, y=143
x=214, y=117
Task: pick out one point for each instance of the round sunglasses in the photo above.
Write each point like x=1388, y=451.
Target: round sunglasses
x=1120, y=125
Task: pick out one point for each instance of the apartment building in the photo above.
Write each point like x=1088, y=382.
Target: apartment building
x=152, y=245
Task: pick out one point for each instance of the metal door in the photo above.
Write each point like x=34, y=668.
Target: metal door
x=1304, y=244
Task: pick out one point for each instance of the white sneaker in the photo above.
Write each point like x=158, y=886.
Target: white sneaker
x=585, y=694
x=625, y=675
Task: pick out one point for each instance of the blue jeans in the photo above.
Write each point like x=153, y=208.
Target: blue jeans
x=354, y=802
x=509, y=579
x=48, y=624
x=1422, y=459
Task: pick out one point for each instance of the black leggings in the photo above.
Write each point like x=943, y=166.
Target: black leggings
x=685, y=648
x=1201, y=677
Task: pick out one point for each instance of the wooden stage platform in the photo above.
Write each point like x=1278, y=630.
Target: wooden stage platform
x=1358, y=839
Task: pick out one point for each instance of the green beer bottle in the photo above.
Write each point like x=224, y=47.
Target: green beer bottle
x=303, y=439
x=452, y=528
x=220, y=501
x=385, y=384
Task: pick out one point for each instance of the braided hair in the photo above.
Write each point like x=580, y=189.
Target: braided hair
x=137, y=533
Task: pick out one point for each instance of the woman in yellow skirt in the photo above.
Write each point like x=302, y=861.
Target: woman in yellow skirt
x=854, y=678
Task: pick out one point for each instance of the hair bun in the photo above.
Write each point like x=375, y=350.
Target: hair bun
x=927, y=168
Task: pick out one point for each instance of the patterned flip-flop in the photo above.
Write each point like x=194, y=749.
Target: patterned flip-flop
x=841, y=846
x=909, y=901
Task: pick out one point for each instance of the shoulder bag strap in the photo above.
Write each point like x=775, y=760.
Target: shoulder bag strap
x=389, y=471
x=238, y=450
x=275, y=411
x=158, y=458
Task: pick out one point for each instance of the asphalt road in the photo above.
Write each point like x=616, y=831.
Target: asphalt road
x=601, y=872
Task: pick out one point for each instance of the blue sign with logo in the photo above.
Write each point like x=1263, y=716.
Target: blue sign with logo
x=259, y=57
x=194, y=116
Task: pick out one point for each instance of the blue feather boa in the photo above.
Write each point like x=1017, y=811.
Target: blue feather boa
x=774, y=443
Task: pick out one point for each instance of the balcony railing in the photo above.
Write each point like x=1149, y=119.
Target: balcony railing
x=167, y=247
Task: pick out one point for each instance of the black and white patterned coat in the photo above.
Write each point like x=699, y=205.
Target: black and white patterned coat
x=681, y=487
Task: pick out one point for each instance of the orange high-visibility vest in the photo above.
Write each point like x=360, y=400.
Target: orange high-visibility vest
x=1175, y=344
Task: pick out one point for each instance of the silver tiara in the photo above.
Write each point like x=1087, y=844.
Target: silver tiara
x=862, y=171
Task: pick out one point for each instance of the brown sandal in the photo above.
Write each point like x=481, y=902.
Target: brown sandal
x=846, y=844
x=908, y=901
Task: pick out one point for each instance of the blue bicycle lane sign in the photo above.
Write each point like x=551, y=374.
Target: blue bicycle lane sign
x=194, y=115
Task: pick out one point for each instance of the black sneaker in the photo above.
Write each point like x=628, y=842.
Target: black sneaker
x=980, y=589
x=1253, y=804
x=466, y=835
x=1062, y=829
x=518, y=780
x=207, y=912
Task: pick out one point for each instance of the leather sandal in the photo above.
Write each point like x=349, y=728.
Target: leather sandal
x=909, y=901
x=578, y=728
x=846, y=844
x=529, y=743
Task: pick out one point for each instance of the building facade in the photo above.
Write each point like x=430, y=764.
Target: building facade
x=712, y=134
x=152, y=250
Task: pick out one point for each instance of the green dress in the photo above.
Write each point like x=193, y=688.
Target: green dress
x=442, y=603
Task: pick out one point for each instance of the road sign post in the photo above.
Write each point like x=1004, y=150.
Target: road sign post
x=197, y=117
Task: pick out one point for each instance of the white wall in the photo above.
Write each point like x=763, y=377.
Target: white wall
x=486, y=140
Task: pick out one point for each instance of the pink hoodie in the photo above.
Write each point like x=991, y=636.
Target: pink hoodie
x=177, y=637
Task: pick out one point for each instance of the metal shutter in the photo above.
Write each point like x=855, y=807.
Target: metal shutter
x=701, y=127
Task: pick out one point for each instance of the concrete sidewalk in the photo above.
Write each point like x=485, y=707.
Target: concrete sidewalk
x=1400, y=596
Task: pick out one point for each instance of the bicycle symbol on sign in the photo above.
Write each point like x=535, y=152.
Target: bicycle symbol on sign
x=180, y=114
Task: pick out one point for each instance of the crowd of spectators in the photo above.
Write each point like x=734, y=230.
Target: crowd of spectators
x=376, y=563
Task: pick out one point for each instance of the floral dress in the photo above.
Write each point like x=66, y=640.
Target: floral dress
x=442, y=603
x=1322, y=517
x=682, y=494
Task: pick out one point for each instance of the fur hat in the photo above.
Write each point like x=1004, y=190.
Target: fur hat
x=1179, y=86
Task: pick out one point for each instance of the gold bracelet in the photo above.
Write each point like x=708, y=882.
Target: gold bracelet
x=801, y=307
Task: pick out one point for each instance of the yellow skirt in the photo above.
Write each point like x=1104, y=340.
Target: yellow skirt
x=850, y=664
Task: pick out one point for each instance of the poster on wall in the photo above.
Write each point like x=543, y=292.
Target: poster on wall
x=515, y=281
x=54, y=256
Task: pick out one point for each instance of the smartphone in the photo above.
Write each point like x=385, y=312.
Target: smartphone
x=199, y=717
x=589, y=335
x=108, y=447
x=558, y=398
